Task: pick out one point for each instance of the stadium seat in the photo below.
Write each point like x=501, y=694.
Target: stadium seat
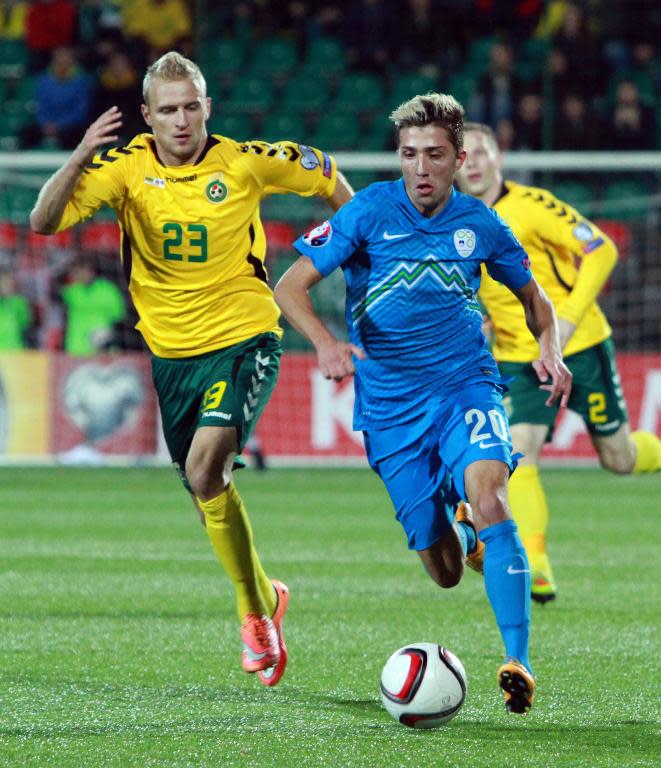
x=462, y=86
x=273, y=57
x=337, y=130
x=18, y=203
x=239, y=127
x=576, y=193
x=625, y=200
x=14, y=57
x=360, y=92
x=222, y=58
x=307, y=94
x=283, y=125
x=405, y=87
x=250, y=94
x=327, y=57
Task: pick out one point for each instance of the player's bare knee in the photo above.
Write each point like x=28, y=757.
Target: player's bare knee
x=618, y=463
x=490, y=509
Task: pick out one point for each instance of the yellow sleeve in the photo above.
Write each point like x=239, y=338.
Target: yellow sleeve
x=103, y=182
x=288, y=167
x=596, y=255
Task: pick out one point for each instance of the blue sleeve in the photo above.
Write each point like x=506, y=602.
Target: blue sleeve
x=330, y=244
x=508, y=262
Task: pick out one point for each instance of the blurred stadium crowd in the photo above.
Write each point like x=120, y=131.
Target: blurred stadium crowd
x=546, y=74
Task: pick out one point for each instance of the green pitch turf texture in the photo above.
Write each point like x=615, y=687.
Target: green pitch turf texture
x=119, y=641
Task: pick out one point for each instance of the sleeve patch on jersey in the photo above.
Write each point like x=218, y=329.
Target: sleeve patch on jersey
x=309, y=159
x=583, y=232
x=589, y=247
x=328, y=166
x=319, y=236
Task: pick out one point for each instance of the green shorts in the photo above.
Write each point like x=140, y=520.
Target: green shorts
x=225, y=388
x=596, y=392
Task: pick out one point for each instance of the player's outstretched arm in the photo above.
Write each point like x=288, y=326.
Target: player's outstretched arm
x=57, y=191
x=342, y=194
x=543, y=324
x=292, y=295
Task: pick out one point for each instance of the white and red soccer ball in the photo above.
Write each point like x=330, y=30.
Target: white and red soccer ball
x=423, y=685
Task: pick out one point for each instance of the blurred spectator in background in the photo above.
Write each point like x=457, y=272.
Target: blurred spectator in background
x=495, y=96
x=529, y=122
x=427, y=40
x=559, y=78
x=63, y=95
x=158, y=25
x=631, y=124
x=92, y=306
x=15, y=314
x=580, y=46
x=120, y=85
x=576, y=125
x=368, y=31
x=13, y=14
x=49, y=24
x=516, y=18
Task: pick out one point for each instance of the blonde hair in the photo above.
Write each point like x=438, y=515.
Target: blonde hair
x=484, y=129
x=173, y=66
x=432, y=109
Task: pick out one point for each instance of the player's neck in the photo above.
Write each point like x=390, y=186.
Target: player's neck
x=492, y=194
x=173, y=161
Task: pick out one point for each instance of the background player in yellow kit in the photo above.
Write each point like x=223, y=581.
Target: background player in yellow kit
x=555, y=237
x=192, y=249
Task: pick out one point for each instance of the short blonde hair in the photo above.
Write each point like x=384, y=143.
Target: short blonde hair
x=432, y=109
x=484, y=129
x=173, y=66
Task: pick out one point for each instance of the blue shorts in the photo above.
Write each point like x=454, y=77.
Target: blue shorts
x=423, y=462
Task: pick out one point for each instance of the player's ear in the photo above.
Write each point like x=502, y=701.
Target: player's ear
x=145, y=114
x=461, y=159
x=207, y=107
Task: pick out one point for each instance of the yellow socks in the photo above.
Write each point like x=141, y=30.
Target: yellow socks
x=230, y=533
x=648, y=452
x=530, y=512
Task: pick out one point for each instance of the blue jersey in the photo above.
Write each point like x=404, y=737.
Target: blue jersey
x=411, y=302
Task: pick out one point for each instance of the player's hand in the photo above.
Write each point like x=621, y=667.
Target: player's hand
x=566, y=330
x=102, y=131
x=552, y=367
x=335, y=359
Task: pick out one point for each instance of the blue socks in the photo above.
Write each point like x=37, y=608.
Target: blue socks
x=507, y=582
x=467, y=537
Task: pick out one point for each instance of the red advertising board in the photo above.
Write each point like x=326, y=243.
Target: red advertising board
x=311, y=417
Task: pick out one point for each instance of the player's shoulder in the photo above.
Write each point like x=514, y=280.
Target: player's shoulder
x=473, y=209
x=376, y=193
x=535, y=196
x=120, y=156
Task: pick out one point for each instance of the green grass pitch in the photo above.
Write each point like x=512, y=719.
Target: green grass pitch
x=119, y=641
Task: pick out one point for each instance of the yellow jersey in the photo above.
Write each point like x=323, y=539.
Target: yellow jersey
x=570, y=257
x=192, y=242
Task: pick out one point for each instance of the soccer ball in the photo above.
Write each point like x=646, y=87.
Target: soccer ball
x=423, y=685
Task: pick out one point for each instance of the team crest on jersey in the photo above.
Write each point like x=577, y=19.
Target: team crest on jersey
x=154, y=182
x=309, y=159
x=216, y=191
x=319, y=236
x=464, y=242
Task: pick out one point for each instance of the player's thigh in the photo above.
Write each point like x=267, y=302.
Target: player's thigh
x=473, y=427
x=597, y=391
x=528, y=440
x=228, y=388
x=406, y=459
x=486, y=490
x=617, y=452
x=525, y=404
